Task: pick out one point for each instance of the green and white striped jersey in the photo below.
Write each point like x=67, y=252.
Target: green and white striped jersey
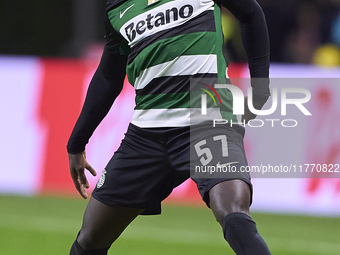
x=168, y=42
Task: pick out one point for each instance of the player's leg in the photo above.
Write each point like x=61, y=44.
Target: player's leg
x=102, y=225
x=230, y=201
x=134, y=167
x=227, y=190
x=229, y=197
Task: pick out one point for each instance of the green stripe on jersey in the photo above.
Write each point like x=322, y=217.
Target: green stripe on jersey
x=200, y=43
x=163, y=101
x=185, y=100
x=221, y=63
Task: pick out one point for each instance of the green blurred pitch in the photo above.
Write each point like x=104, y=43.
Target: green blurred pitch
x=42, y=225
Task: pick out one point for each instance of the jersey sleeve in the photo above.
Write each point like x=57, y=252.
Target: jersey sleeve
x=255, y=41
x=105, y=86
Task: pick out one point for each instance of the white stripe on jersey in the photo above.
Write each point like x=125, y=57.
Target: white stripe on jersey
x=177, y=117
x=183, y=65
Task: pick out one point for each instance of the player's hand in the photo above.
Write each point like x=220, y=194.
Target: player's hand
x=78, y=164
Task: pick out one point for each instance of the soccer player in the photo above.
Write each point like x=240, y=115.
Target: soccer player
x=162, y=45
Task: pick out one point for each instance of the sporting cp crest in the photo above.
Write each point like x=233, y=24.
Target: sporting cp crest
x=102, y=179
x=152, y=1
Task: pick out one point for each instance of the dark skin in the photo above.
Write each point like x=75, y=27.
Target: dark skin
x=103, y=224
x=78, y=164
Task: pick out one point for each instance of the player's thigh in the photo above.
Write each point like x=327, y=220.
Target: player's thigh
x=234, y=194
x=230, y=196
x=102, y=224
x=218, y=161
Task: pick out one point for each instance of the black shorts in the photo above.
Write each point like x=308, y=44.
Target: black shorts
x=148, y=165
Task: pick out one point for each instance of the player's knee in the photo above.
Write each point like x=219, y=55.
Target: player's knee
x=237, y=201
x=89, y=241
x=222, y=211
x=76, y=249
x=84, y=246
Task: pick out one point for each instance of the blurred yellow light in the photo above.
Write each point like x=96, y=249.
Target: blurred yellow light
x=327, y=56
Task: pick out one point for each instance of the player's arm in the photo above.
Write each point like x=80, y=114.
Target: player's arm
x=255, y=41
x=105, y=86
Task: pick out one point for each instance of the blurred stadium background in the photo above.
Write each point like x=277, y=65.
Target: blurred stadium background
x=48, y=53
